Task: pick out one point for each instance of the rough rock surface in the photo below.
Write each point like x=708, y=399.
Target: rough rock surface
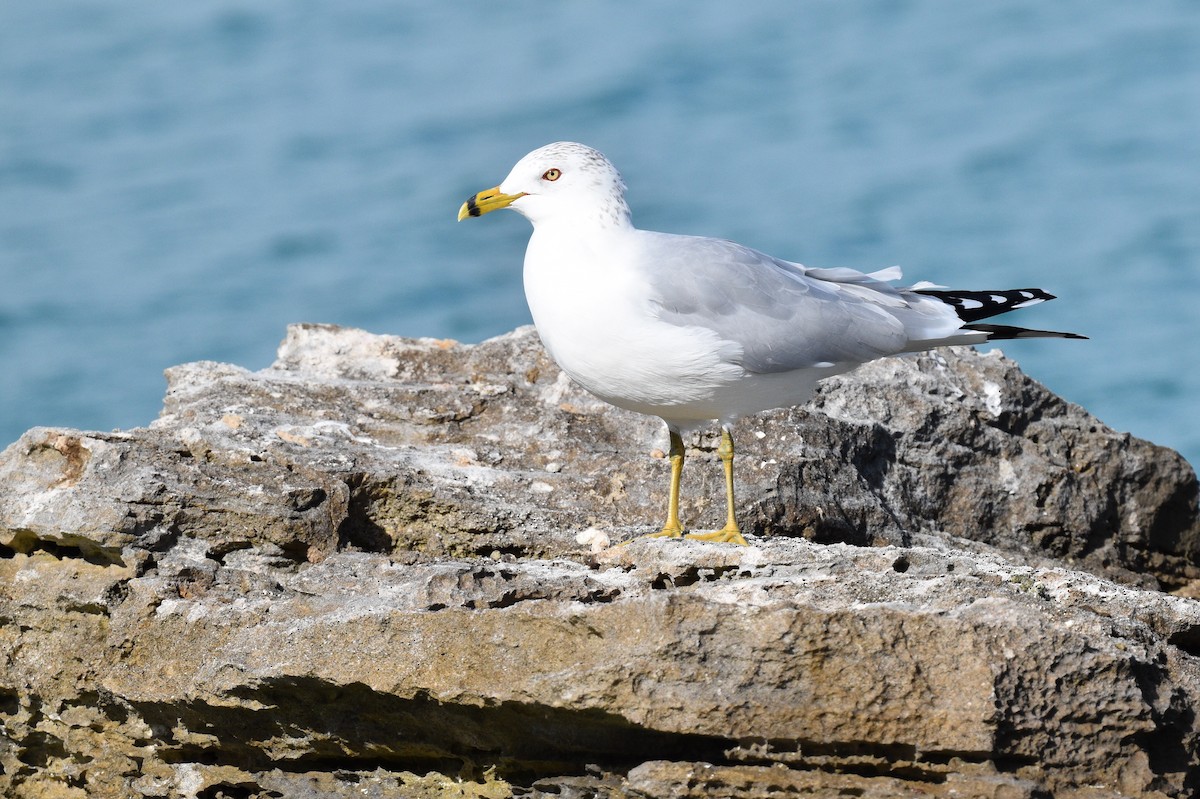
x=381, y=568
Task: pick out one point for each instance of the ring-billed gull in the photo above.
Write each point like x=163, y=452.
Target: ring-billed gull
x=694, y=329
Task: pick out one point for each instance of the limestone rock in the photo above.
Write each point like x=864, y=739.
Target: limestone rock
x=377, y=568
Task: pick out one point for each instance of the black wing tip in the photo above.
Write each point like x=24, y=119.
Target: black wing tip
x=971, y=306
x=1008, y=332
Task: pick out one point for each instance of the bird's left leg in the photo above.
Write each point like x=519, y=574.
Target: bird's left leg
x=729, y=534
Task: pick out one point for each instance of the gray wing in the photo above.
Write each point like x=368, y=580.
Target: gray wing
x=784, y=316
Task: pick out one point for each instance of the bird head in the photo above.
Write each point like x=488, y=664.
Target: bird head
x=561, y=181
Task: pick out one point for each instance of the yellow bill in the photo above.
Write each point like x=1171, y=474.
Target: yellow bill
x=487, y=201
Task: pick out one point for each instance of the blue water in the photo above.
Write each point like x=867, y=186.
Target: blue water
x=179, y=181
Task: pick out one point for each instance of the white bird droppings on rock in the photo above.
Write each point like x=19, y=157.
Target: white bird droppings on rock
x=594, y=539
x=991, y=398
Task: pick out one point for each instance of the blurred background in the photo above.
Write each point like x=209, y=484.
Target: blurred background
x=180, y=181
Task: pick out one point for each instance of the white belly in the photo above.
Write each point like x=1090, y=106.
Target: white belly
x=598, y=324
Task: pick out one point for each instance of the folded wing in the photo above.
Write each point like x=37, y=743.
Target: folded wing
x=785, y=316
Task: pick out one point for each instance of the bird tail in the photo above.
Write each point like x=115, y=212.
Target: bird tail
x=971, y=306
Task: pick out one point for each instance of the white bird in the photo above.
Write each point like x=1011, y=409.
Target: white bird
x=694, y=329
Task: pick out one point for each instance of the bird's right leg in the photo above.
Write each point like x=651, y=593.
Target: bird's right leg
x=673, y=529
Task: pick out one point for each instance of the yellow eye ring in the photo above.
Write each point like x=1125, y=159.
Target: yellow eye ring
x=552, y=174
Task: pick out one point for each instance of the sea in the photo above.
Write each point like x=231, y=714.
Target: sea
x=181, y=181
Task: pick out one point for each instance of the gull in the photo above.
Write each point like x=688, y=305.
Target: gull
x=695, y=329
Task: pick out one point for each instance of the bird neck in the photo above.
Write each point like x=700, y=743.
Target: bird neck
x=582, y=220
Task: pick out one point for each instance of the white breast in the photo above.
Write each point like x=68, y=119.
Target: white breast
x=597, y=320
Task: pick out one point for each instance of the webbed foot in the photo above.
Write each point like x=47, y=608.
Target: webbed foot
x=726, y=535
x=668, y=531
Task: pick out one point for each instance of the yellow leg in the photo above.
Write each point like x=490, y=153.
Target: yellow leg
x=729, y=534
x=673, y=529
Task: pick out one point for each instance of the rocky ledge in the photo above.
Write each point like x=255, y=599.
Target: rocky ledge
x=392, y=567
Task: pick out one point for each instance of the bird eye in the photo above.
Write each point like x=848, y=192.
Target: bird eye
x=552, y=174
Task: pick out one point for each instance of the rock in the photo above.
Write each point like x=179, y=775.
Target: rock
x=379, y=568
x=433, y=448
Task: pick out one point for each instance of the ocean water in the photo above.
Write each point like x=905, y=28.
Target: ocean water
x=180, y=181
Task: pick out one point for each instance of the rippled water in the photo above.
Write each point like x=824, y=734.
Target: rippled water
x=181, y=181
